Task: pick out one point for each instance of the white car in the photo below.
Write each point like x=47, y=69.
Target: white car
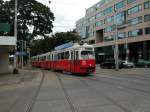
x=127, y=64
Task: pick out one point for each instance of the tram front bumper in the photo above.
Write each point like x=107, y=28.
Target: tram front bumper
x=88, y=69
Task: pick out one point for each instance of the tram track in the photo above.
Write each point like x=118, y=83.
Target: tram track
x=112, y=81
x=129, y=76
x=125, y=79
x=73, y=109
x=121, y=85
x=30, y=106
x=99, y=79
x=91, y=88
x=115, y=84
x=84, y=80
x=105, y=96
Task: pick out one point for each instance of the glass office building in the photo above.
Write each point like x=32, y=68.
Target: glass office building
x=126, y=20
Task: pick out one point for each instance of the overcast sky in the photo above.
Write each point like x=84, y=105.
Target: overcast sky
x=67, y=12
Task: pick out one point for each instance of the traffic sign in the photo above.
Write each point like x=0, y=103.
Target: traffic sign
x=23, y=53
x=5, y=27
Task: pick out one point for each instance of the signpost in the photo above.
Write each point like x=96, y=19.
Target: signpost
x=4, y=27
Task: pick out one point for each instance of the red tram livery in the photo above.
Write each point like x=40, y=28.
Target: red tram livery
x=68, y=57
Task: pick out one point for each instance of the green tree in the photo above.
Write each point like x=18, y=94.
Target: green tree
x=42, y=46
x=47, y=44
x=64, y=37
x=30, y=14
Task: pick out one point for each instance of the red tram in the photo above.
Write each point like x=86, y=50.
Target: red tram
x=69, y=57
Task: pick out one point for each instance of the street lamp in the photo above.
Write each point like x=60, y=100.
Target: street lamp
x=15, y=34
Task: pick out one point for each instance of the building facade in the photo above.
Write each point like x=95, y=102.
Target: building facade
x=125, y=22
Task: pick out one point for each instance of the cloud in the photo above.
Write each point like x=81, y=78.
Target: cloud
x=67, y=12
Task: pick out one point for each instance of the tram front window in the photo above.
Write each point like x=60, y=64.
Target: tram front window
x=87, y=55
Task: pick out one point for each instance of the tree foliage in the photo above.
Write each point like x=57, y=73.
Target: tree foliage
x=47, y=44
x=30, y=14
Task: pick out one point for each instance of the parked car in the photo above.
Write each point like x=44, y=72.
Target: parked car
x=142, y=63
x=110, y=64
x=128, y=64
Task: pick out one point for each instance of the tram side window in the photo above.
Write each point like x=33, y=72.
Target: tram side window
x=55, y=57
x=44, y=58
x=77, y=56
x=62, y=55
x=52, y=57
x=49, y=57
x=67, y=55
x=71, y=55
x=59, y=56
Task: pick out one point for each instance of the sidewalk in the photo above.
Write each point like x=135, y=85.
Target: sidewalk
x=17, y=91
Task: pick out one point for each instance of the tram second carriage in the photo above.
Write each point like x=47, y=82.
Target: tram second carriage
x=78, y=59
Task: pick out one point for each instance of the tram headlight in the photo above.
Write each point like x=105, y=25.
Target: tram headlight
x=83, y=62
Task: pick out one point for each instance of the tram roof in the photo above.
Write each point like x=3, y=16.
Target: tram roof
x=71, y=45
x=64, y=47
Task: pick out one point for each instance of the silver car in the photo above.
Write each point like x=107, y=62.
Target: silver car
x=127, y=64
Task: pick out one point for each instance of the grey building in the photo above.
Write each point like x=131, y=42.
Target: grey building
x=126, y=20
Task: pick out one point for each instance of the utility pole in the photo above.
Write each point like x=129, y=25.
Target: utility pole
x=116, y=51
x=15, y=34
x=22, y=61
x=127, y=46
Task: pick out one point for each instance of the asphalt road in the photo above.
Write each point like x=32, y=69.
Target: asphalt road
x=105, y=91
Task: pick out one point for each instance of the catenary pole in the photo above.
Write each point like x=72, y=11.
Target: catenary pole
x=116, y=51
x=15, y=33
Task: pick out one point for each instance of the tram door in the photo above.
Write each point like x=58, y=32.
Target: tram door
x=74, y=60
x=72, y=68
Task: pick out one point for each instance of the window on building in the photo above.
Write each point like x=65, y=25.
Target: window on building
x=147, y=30
x=109, y=29
x=109, y=19
x=91, y=34
x=91, y=41
x=92, y=9
x=121, y=35
x=147, y=17
x=108, y=10
x=135, y=21
x=131, y=1
x=120, y=5
x=107, y=1
x=120, y=18
x=99, y=23
x=109, y=38
x=99, y=15
x=135, y=9
x=135, y=33
x=147, y=5
x=92, y=19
